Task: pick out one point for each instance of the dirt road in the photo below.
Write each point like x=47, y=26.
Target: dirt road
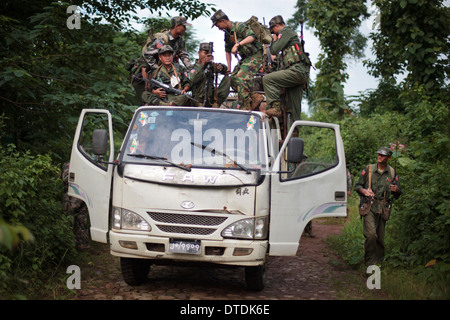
x=314, y=273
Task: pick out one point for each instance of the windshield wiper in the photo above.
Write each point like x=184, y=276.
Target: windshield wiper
x=220, y=153
x=146, y=156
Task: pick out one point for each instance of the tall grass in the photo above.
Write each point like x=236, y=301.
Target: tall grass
x=397, y=282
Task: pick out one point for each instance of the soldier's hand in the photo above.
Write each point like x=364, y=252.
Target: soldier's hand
x=160, y=93
x=367, y=192
x=235, y=49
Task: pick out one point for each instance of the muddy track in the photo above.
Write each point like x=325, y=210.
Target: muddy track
x=313, y=274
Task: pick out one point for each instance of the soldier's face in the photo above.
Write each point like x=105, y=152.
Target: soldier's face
x=382, y=159
x=204, y=56
x=221, y=24
x=166, y=58
x=276, y=29
x=180, y=29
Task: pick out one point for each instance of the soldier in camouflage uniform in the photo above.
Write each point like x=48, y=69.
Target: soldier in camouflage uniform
x=240, y=39
x=384, y=183
x=77, y=208
x=294, y=74
x=142, y=69
x=206, y=70
x=171, y=74
x=173, y=38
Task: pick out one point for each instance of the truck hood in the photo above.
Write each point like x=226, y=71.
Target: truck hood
x=174, y=189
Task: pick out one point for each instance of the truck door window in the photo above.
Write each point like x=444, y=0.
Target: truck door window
x=319, y=152
x=91, y=122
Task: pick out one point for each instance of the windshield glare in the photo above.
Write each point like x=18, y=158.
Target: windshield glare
x=197, y=138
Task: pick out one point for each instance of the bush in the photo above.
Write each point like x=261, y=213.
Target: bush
x=30, y=196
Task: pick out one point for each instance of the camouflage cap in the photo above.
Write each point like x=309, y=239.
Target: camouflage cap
x=207, y=46
x=385, y=151
x=176, y=21
x=165, y=48
x=276, y=20
x=218, y=15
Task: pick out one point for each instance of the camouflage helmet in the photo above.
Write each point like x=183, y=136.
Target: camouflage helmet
x=275, y=20
x=165, y=48
x=385, y=151
x=218, y=15
x=176, y=21
x=206, y=46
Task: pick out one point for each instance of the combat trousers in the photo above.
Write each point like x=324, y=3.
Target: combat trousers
x=242, y=79
x=222, y=93
x=151, y=99
x=293, y=79
x=374, y=231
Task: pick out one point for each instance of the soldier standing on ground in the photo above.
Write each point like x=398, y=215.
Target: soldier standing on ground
x=240, y=39
x=205, y=70
x=384, y=182
x=294, y=74
x=76, y=208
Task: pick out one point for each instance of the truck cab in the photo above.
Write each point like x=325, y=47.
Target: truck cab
x=205, y=185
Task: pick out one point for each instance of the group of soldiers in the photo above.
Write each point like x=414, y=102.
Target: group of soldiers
x=164, y=52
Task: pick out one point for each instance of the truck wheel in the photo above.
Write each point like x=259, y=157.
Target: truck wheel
x=256, y=277
x=134, y=271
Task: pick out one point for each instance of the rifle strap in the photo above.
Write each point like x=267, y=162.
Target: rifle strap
x=370, y=177
x=145, y=76
x=160, y=68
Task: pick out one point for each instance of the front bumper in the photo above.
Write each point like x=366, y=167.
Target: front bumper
x=225, y=252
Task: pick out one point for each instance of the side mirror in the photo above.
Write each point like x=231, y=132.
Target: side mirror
x=295, y=150
x=100, y=142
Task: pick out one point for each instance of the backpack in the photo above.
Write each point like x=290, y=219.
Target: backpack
x=153, y=36
x=135, y=66
x=263, y=34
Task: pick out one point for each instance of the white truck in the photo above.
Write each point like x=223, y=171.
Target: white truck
x=204, y=185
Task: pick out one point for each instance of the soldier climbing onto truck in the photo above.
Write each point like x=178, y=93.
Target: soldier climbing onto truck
x=294, y=74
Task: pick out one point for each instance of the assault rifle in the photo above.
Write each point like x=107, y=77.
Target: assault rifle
x=170, y=90
x=269, y=55
x=207, y=76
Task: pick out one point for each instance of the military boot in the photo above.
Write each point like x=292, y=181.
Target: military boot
x=274, y=110
x=257, y=98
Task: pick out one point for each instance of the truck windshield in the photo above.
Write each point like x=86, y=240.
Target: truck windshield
x=195, y=138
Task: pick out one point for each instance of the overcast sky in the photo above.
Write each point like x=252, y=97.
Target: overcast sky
x=241, y=10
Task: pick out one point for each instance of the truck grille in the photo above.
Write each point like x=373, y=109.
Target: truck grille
x=173, y=220
x=186, y=219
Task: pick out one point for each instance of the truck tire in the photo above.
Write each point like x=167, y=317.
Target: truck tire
x=256, y=277
x=134, y=271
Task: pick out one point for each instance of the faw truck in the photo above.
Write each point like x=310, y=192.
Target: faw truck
x=217, y=187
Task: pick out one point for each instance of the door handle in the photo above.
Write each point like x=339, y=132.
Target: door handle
x=339, y=196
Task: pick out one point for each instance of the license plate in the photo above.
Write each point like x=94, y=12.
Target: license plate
x=185, y=246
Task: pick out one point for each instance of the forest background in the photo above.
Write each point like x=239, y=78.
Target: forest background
x=50, y=72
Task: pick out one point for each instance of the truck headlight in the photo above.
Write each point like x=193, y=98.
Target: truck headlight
x=129, y=220
x=251, y=228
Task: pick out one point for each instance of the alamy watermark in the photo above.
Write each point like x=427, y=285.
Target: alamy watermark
x=374, y=280
x=74, y=21
x=73, y=281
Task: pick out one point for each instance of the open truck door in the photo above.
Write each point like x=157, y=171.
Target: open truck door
x=311, y=183
x=90, y=176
